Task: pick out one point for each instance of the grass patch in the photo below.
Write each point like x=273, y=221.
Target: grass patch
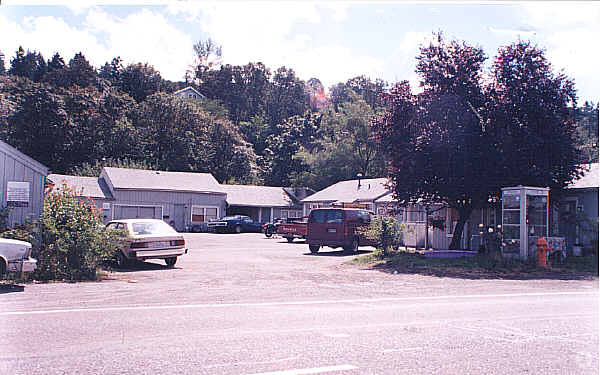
x=477, y=267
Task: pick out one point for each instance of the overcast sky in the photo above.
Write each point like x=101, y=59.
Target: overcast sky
x=331, y=40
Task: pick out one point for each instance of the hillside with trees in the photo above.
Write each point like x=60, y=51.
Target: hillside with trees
x=256, y=125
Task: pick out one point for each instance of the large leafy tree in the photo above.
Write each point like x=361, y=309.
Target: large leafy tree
x=364, y=87
x=464, y=137
x=279, y=163
x=345, y=147
x=138, y=80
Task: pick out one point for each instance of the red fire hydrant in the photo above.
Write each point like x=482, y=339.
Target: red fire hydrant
x=542, y=251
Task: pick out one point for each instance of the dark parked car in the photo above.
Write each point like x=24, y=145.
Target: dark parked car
x=337, y=227
x=235, y=224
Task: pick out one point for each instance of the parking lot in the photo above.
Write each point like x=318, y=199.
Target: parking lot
x=245, y=304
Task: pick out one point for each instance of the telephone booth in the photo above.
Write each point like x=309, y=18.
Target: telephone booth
x=524, y=220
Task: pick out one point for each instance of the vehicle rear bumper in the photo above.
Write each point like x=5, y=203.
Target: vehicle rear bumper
x=330, y=243
x=27, y=265
x=154, y=254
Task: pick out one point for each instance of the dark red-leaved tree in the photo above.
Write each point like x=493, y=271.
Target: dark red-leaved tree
x=466, y=135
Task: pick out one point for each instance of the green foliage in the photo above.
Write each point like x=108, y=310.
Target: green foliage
x=94, y=169
x=74, y=240
x=345, y=147
x=279, y=164
x=386, y=232
x=464, y=136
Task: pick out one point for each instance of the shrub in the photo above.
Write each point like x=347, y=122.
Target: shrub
x=386, y=232
x=74, y=241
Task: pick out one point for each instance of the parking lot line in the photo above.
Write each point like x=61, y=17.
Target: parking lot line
x=292, y=303
x=315, y=370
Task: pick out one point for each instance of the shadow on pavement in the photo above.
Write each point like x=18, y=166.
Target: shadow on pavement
x=11, y=288
x=143, y=266
x=337, y=253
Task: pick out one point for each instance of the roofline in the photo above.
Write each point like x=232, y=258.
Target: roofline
x=31, y=162
x=254, y=205
x=189, y=87
x=171, y=190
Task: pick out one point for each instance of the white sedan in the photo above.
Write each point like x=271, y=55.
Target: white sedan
x=149, y=239
x=15, y=256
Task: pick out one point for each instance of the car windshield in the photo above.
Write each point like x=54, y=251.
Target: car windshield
x=233, y=218
x=158, y=227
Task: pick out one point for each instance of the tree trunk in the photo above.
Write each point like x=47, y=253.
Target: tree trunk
x=463, y=215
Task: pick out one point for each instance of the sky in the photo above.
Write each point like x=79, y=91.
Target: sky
x=329, y=40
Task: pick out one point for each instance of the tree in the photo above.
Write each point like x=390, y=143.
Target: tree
x=139, y=80
x=28, y=64
x=287, y=97
x=112, y=71
x=2, y=67
x=344, y=148
x=94, y=169
x=461, y=139
x=586, y=118
x=80, y=72
x=278, y=162
x=208, y=57
x=370, y=91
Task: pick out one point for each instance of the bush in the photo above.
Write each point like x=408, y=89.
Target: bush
x=74, y=241
x=386, y=232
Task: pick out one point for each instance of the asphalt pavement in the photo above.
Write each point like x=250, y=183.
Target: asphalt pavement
x=245, y=304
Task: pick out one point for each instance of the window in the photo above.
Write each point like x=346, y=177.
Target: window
x=204, y=214
x=334, y=217
x=317, y=216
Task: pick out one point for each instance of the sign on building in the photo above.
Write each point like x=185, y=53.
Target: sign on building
x=17, y=194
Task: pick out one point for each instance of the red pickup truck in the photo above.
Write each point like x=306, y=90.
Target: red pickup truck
x=293, y=229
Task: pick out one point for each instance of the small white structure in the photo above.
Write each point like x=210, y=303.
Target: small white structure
x=189, y=92
x=524, y=220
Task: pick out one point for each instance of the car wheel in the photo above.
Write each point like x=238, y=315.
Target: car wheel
x=314, y=248
x=122, y=260
x=353, y=248
x=238, y=229
x=196, y=229
x=290, y=239
x=2, y=269
x=171, y=261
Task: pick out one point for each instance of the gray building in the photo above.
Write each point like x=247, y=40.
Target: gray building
x=264, y=203
x=362, y=192
x=187, y=200
x=22, y=182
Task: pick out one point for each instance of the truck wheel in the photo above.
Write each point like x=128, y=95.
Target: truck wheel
x=171, y=261
x=290, y=239
x=314, y=248
x=353, y=247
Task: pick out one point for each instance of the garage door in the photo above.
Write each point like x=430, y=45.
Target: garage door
x=138, y=212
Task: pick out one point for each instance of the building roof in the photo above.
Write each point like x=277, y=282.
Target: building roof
x=140, y=179
x=189, y=88
x=92, y=187
x=349, y=191
x=257, y=196
x=27, y=160
x=588, y=180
